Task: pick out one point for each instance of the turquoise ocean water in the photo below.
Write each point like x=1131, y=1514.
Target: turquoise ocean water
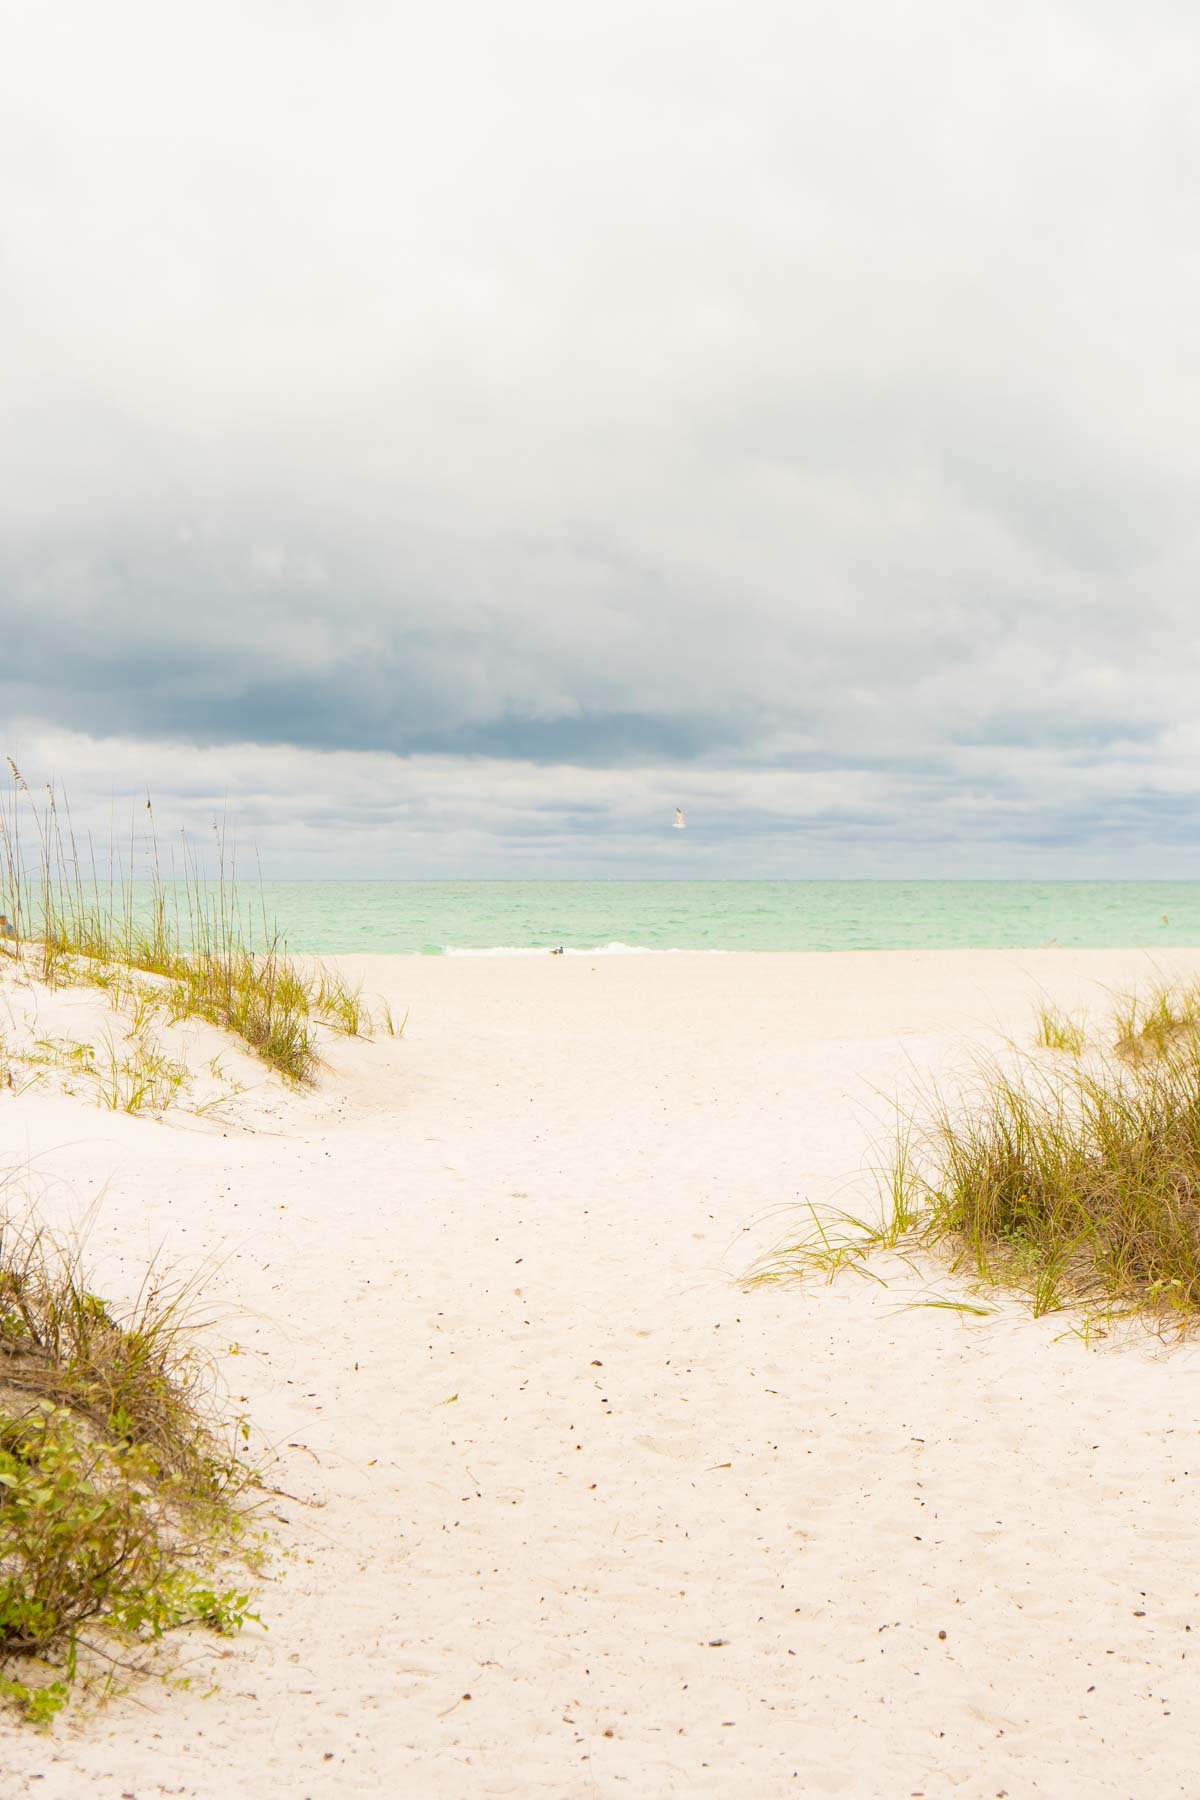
x=443, y=917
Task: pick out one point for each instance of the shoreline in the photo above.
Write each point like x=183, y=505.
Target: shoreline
x=502, y=950
x=619, y=951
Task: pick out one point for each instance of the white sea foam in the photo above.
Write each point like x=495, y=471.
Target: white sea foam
x=615, y=949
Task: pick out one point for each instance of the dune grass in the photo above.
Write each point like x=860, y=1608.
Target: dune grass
x=1057, y=1030
x=390, y=1026
x=1075, y=1184
x=88, y=922
x=1147, y=1026
x=177, y=941
x=121, y=1486
x=132, y=1077
x=340, y=1004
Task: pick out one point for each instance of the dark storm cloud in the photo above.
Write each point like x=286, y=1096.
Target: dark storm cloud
x=200, y=645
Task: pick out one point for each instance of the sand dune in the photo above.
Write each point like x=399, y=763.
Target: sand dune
x=568, y=1511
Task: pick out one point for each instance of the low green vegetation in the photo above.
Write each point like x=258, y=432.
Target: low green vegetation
x=1073, y=1183
x=133, y=1076
x=121, y=1488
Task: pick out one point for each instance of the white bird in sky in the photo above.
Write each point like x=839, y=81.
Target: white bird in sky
x=680, y=823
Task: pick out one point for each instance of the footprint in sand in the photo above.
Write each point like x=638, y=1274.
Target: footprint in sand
x=680, y=1449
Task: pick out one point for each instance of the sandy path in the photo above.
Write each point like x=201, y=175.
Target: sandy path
x=669, y=1536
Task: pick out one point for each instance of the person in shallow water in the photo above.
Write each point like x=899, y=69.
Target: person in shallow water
x=6, y=930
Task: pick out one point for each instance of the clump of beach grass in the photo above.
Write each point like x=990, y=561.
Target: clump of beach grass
x=390, y=1026
x=1073, y=1184
x=1057, y=1030
x=260, y=998
x=1149, y=1025
x=186, y=929
x=121, y=1484
x=340, y=1004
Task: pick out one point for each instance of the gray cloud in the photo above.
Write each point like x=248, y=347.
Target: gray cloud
x=805, y=395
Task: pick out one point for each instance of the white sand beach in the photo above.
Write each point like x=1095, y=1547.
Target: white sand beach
x=567, y=1510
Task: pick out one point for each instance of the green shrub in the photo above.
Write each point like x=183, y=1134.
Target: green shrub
x=87, y=1539
x=120, y=1485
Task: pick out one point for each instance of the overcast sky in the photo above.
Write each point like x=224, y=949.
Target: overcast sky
x=460, y=434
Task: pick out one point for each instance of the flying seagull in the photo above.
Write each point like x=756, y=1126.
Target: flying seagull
x=680, y=823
